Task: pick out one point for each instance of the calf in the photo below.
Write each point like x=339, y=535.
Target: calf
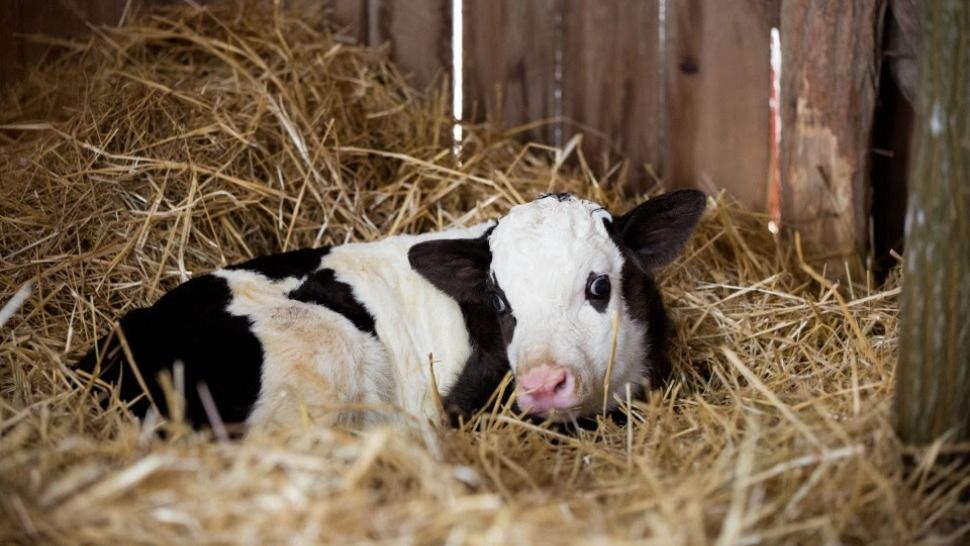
x=557, y=291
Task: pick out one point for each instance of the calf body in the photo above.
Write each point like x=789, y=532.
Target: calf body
x=323, y=331
x=558, y=291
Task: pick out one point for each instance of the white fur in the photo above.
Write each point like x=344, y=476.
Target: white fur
x=542, y=255
x=316, y=362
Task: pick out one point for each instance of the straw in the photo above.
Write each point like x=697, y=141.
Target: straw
x=195, y=138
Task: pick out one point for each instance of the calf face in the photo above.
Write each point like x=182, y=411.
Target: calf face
x=571, y=289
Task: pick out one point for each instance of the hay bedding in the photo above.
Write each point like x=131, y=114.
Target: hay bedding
x=196, y=138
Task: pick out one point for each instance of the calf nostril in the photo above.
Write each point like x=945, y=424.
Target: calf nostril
x=561, y=385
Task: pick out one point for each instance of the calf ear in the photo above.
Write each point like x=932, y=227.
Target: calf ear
x=655, y=232
x=457, y=267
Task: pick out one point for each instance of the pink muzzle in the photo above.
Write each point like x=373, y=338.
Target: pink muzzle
x=546, y=387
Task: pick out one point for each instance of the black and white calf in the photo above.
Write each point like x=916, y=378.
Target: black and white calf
x=550, y=292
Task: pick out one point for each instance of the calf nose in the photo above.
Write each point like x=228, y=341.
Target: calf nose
x=546, y=387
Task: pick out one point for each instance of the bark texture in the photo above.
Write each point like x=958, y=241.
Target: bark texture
x=831, y=56
x=933, y=379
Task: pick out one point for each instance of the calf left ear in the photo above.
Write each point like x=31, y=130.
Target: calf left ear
x=457, y=267
x=655, y=232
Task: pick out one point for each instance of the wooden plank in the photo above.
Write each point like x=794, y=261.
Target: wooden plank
x=510, y=63
x=933, y=377
x=831, y=57
x=12, y=59
x=611, y=81
x=718, y=128
x=55, y=19
x=18, y=53
x=352, y=15
x=419, y=32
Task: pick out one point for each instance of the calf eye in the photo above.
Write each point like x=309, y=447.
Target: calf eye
x=598, y=288
x=497, y=302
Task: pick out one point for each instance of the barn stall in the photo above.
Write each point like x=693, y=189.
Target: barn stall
x=143, y=143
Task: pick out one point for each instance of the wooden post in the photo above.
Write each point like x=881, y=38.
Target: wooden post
x=831, y=54
x=718, y=84
x=933, y=378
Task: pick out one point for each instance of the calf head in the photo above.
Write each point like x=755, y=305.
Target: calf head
x=571, y=289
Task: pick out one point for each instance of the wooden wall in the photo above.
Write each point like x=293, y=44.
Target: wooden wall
x=22, y=19
x=674, y=91
x=691, y=110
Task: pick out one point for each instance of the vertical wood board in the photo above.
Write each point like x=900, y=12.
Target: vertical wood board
x=352, y=15
x=57, y=19
x=60, y=19
x=419, y=32
x=718, y=129
x=12, y=58
x=510, y=61
x=831, y=57
x=611, y=86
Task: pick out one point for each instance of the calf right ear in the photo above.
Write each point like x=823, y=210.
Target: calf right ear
x=457, y=267
x=657, y=230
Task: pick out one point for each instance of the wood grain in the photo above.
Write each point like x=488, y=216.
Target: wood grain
x=419, y=33
x=933, y=377
x=611, y=85
x=831, y=57
x=60, y=19
x=718, y=86
x=352, y=15
x=510, y=59
x=12, y=59
x=53, y=18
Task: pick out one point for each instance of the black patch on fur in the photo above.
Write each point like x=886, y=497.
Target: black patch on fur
x=656, y=231
x=485, y=368
x=506, y=321
x=645, y=304
x=296, y=263
x=650, y=236
x=190, y=324
x=457, y=267
x=323, y=288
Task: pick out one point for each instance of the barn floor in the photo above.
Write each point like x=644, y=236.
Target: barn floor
x=185, y=142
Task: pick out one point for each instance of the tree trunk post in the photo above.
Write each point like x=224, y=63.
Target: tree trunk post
x=933, y=377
